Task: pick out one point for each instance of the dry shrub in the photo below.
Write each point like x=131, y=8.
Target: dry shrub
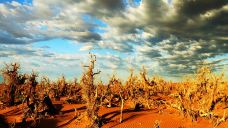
x=112, y=92
x=198, y=96
x=153, y=89
x=59, y=88
x=101, y=92
x=62, y=84
x=38, y=103
x=13, y=81
x=143, y=92
x=134, y=91
x=45, y=85
x=74, y=92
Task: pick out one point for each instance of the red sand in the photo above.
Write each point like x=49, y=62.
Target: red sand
x=168, y=118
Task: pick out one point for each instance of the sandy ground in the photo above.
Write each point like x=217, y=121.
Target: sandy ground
x=167, y=118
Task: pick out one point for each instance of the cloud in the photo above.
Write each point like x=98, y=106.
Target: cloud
x=193, y=8
x=115, y=45
x=23, y=50
x=170, y=37
x=23, y=23
x=86, y=48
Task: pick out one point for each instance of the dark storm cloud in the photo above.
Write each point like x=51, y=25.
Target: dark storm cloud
x=197, y=19
x=184, y=57
x=152, y=53
x=107, y=8
x=196, y=7
x=155, y=10
x=7, y=39
x=112, y=5
x=90, y=37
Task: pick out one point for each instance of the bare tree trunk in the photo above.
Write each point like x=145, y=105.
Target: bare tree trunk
x=213, y=101
x=11, y=95
x=90, y=94
x=121, y=108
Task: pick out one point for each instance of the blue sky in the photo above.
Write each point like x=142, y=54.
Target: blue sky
x=19, y=1
x=169, y=37
x=58, y=45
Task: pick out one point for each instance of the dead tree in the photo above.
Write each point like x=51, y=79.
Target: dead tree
x=12, y=80
x=32, y=101
x=89, y=94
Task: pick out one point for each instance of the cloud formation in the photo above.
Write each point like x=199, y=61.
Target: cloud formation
x=169, y=36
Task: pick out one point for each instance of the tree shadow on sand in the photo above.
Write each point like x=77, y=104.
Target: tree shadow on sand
x=15, y=111
x=75, y=117
x=72, y=110
x=109, y=116
x=3, y=123
x=68, y=122
x=43, y=123
x=48, y=123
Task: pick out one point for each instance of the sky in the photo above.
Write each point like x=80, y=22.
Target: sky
x=171, y=38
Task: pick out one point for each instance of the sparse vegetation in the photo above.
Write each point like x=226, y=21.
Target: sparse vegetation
x=202, y=95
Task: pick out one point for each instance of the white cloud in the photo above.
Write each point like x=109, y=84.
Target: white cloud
x=168, y=38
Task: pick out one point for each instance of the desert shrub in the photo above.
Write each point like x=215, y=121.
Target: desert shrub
x=74, y=92
x=44, y=85
x=101, y=92
x=119, y=95
x=62, y=84
x=111, y=95
x=56, y=93
x=38, y=103
x=198, y=97
x=59, y=88
x=32, y=84
x=156, y=85
x=135, y=92
x=31, y=98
